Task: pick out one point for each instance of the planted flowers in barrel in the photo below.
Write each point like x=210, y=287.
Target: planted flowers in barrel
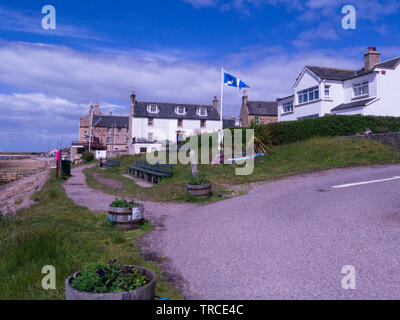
x=125, y=215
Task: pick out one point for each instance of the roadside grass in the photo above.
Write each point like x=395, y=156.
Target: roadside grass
x=306, y=156
x=58, y=232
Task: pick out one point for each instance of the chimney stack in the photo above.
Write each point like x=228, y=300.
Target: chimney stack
x=110, y=112
x=232, y=117
x=244, y=98
x=131, y=113
x=371, y=58
x=97, y=109
x=215, y=104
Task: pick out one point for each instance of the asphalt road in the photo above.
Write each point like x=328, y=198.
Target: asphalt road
x=289, y=239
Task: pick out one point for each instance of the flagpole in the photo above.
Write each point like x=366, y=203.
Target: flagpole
x=222, y=103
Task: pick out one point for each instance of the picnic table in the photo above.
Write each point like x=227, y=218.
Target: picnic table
x=111, y=163
x=150, y=172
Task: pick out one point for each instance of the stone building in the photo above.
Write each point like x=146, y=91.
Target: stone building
x=109, y=132
x=260, y=111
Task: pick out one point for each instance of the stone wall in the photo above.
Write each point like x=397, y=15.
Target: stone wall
x=391, y=138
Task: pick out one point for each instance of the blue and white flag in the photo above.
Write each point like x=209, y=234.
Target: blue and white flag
x=232, y=81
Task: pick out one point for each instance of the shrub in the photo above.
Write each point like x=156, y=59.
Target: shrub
x=123, y=204
x=99, y=277
x=198, y=180
x=88, y=156
x=328, y=126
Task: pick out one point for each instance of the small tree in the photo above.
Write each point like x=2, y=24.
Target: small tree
x=261, y=137
x=88, y=156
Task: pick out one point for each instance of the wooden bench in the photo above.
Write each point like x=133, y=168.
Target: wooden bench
x=150, y=172
x=111, y=163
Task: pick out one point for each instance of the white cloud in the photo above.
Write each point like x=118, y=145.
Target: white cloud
x=53, y=85
x=202, y=3
x=31, y=22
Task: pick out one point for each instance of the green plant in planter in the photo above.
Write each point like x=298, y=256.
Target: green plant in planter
x=198, y=180
x=123, y=204
x=99, y=277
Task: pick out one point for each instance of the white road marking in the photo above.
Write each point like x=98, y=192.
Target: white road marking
x=365, y=182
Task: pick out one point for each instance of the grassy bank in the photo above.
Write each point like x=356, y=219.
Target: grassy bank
x=306, y=156
x=57, y=232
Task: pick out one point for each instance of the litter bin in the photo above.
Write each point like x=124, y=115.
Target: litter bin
x=66, y=167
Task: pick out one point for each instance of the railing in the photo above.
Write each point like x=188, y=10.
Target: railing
x=143, y=140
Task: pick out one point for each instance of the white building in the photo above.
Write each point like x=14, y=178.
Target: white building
x=158, y=124
x=372, y=90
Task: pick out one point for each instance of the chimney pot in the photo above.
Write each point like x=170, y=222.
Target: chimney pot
x=233, y=117
x=371, y=58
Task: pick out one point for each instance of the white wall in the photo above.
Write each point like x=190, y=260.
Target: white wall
x=348, y=86
x=350, y=112
x=167, y=129
x=336, y=95
x=285, y=116
x=389, y=94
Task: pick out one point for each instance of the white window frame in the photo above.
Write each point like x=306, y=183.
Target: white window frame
x=150, y=136
x=308, y=95
x=152, y=108
x=327, y=92
x=202, y=112
x=361, y=89
x=287, y=107
x=179, y=111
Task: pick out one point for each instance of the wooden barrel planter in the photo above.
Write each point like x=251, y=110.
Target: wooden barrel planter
x=146, y=292
x=200, y=190
x=126, y=218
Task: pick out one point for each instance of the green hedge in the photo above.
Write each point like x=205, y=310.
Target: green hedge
x=327, y=126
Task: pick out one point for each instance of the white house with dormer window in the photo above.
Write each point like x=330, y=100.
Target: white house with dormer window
x=158, y=124
x=372, y=90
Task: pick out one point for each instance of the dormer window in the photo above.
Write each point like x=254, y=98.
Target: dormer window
x=152, y=108
x=180, y=110
x=202, y=112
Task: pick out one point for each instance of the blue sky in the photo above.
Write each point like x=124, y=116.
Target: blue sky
x=167, y=51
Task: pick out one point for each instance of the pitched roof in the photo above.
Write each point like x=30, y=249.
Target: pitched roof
x=262, y=108
x=280, y=99
x=389, y=64
x=227, y=123
x=354, y=104
x=111, y=121
x=337, y=74
x=167, y=111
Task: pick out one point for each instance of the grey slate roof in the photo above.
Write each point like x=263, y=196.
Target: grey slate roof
x=389, y=64
x=280, y=99
x=337, y=74
x=111, y=121
x=227, y=123
x=167, y=111
x=354, y=104
x=262, y=108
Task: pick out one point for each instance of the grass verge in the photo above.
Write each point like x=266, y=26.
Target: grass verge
x=58, y=232
x=307, y=156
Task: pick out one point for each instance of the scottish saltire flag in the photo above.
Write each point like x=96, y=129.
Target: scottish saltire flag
x=232, y=81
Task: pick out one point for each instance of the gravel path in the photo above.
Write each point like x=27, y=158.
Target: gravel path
x=287, y=239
